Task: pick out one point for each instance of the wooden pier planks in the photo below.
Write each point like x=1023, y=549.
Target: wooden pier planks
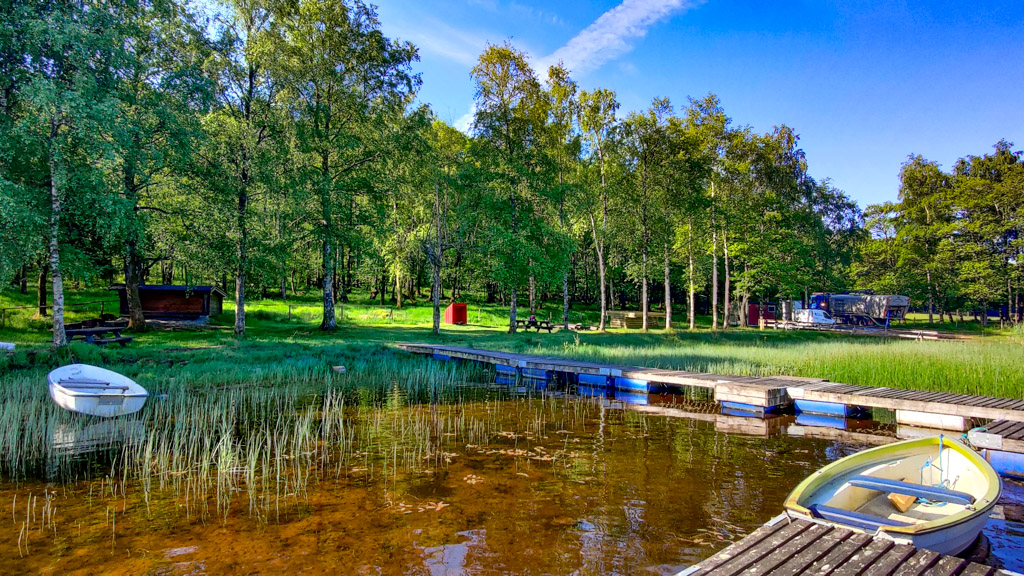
x=968, y=406
x=1010, y=433
x=772, y=391
x=785, y=547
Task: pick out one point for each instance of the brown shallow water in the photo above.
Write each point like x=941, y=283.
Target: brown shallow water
x=530, y=484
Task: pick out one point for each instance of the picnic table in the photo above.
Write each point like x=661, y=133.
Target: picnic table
x=537, y=324
x=98, y=335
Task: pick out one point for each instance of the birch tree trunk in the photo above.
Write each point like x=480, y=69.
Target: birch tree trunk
x=437, y=260
x=643, y=287
x=611, y=293
x=599, y=249
x=565, y=300
x=44, y=266
x=931, y=297
x=714, y=275
x=693, y=289
x=241, y=255
x=398, y=286
x=533, y=294
x=728, y=299
x=599, y=243
x=668, y=292
x=512, y=312
x=56, y=198
x=328, y=322
x=745, y=303
x=436, y=269
x=714, y=263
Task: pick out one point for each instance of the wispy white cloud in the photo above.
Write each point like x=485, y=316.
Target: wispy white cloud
x=611, y=35
x=465, y=122
x=607, y=38
x=435, y=37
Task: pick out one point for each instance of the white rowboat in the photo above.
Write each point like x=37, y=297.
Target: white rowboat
x=95, y=391
x=934, y=493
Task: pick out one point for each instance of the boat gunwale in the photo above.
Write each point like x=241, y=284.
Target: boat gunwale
x=849, y=463
x=71, y=392
x=134, y=389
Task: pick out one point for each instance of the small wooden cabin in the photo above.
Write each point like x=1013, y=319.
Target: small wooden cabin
x=175, y=302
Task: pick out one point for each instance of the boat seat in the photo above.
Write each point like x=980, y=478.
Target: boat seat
x=82, y=381
x=89, y=385
x=855, y=519
x=933, y=493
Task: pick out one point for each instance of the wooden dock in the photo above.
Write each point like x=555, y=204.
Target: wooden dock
x=1001, y=435
x=790, y=547
x=767, y=393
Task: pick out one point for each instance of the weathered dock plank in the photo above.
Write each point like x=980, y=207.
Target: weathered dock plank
x=759, y=392
x=788, y=547
x=1007, y=435
x=964, y=405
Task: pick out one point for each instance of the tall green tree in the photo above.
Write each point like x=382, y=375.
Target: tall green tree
x=70, y=54
x=240, y=132
x=644, y=150
x=509, y=121
x=924, y=197
x=344, y=78
x=160, y=91
x=597, y=123
x=563, y=146
x=449, y=226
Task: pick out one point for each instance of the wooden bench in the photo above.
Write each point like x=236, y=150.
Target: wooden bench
x=99, y=336
x=544, y=325
x=538, y=325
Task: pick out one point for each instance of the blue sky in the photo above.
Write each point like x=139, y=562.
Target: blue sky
x=865, y=84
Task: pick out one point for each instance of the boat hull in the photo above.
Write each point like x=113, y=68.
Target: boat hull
x=952, y=490
x=122, y=396
x=950, y=541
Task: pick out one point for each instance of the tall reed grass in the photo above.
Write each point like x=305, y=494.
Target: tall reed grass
x=994, y=368
x=258, y=444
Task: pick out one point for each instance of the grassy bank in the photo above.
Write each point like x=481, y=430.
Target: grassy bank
x=283, y=343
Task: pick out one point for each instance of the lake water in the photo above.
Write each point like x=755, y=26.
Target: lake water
x=488, y=479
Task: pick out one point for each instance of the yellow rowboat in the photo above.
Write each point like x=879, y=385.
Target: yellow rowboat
x=934, y=493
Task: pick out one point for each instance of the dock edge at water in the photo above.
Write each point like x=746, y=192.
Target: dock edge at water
x=785, y=545
x=761, y=395
x=796, y=546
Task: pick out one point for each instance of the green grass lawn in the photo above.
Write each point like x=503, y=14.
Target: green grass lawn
x=280, y=346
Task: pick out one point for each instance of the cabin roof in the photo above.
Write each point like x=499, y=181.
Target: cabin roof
x=174, y=288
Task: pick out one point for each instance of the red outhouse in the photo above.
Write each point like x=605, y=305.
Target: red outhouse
x=455, y=313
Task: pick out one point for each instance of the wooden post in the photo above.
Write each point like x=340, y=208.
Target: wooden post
x=289, y=312
x=3, y=317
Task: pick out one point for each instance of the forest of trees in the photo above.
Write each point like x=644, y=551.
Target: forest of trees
x=277, y=145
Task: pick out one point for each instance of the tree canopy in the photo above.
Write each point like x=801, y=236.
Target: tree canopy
x=281, y=148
